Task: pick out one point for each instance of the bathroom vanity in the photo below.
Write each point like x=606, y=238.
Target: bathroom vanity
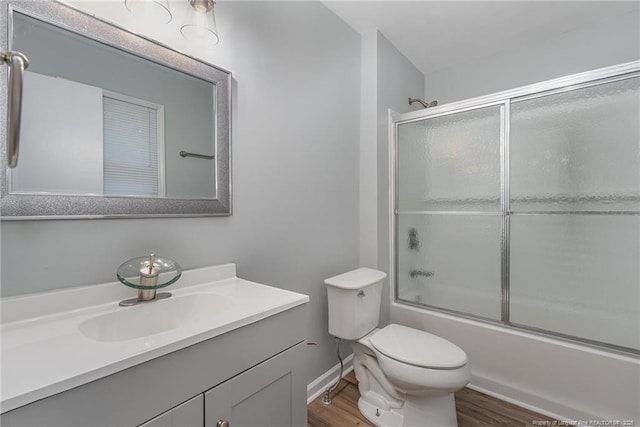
x=221, y=351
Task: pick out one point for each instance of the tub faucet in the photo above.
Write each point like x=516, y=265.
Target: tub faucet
x=414, y=273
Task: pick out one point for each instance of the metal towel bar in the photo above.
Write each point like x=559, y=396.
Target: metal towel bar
x=198, y=156
x=17, y=63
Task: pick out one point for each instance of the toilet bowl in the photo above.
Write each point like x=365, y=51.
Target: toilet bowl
x=406, y=377
x=417, y=362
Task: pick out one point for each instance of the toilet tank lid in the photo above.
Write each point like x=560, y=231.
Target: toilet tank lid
x=356, y=279
x=418, y=348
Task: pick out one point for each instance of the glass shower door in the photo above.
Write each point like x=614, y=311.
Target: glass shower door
x=448, y=212
x=575, y=199
x=526, y=210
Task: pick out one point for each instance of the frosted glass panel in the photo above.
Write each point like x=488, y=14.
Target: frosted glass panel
x=571, y=227
x=462, y=252
x=577, y=275
x=450, y=163
x=578, y=150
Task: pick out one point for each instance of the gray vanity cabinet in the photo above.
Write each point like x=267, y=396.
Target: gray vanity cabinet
x=265, y=395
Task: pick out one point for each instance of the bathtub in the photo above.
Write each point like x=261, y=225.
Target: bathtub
x=575, y=383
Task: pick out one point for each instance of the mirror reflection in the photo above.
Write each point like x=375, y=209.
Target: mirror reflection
x=101, y=121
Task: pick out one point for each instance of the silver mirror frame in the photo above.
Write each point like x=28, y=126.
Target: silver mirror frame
x=18, y=206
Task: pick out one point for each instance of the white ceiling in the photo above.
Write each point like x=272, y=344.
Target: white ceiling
x=439, y=34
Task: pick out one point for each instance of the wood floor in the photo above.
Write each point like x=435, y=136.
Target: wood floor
x=474, y=410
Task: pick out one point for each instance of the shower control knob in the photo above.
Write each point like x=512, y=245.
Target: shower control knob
x=222, y=423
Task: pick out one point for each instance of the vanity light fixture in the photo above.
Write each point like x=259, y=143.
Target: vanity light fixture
x=199, y=24
x=157, y=11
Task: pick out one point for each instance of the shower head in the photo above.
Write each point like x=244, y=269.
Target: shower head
x=424, y=104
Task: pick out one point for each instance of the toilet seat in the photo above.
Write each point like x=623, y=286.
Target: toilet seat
x=418, y=380
x=417, y=348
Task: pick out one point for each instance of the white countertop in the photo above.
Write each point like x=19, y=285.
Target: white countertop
x=44, y=352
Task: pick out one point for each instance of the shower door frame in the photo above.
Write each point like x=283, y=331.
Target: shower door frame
x=503, y=100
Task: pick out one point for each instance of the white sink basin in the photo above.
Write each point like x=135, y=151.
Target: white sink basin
x=153, y=317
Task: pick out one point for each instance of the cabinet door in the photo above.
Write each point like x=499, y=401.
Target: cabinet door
x=271, y=394
x=188, y=414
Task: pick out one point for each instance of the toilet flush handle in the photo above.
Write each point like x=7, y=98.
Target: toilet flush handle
x=361, y=293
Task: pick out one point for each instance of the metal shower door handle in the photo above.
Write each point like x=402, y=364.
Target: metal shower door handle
x=17, y=63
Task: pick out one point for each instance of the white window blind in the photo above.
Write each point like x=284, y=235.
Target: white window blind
x=130, y=148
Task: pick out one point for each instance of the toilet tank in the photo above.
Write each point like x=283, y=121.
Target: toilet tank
x=354, y=302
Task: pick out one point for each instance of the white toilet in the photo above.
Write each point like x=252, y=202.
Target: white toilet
x=406, y=377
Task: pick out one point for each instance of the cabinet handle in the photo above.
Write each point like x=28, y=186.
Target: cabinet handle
x=222, y=423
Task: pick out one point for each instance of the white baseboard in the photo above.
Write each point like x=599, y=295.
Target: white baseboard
x=320, y=384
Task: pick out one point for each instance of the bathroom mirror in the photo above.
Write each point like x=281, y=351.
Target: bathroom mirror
x=113, y=124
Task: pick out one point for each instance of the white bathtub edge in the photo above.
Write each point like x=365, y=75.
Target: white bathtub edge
x=561, y=379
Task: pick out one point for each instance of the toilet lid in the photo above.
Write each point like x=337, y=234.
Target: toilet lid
x=356, y=279
x=418, y=348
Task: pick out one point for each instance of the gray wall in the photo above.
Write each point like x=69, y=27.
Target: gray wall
x=601, y=44
x=295, y=173
x=398, y=79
